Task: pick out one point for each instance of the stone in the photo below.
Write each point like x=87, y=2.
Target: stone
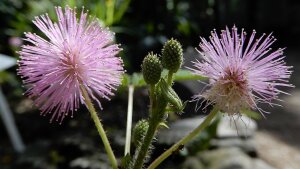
x=192, y=163
x=83, y=144
x=6, y=62
x=247, y=145
x=32, y=157
x=178, y=130
x=260, y=164
x=95, y=161
x=241, y=126
x=226, y=158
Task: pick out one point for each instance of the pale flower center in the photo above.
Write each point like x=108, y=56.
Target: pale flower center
x=230, y=93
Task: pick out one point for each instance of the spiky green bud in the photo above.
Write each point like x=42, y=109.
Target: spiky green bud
x=151, y=69
x=172, y=55
x=140, y=131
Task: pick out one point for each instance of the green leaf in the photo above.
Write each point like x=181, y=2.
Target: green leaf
x=251, y=114
x=126, y=80
x=110, y=8
x=171, y=108
x=137, y=79
x=121, y=10
x=187, y=75
x=71, y=3
x=99, y=9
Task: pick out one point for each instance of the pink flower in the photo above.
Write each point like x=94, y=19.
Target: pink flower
x=78, y=52
x=241, y=72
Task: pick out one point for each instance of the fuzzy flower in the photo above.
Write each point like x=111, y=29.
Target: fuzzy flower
x=77, y=52
x=242, y=72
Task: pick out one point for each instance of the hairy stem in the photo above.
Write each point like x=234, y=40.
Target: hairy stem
x=184, y=140
x=143, y=150
x=152, y=97
x=153, y=123
x=170, y=78
x=99, y=127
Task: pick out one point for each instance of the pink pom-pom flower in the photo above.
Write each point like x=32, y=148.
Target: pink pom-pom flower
x=242, y=72
x=76, y=52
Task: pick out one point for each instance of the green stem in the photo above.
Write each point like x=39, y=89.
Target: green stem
x=99, y=127
x=184, y=140
x=152, y=98
x=170, y=78
x=129, y=119
x=153, y=123
x=143, y=150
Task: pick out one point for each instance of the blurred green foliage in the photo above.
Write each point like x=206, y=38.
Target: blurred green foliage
x=137, y=80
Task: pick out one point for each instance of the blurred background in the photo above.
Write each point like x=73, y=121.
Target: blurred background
x=141, y=27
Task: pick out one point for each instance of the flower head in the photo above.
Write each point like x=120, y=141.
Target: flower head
x=241, y=72
x=151, y=69
x=78, y=52
x=172, y=55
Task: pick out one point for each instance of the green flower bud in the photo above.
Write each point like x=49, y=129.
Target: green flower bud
x=172, y=55
x=140, y=131
x=151, y=69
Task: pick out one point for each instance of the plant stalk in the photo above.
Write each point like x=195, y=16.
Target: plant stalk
x=99, y=127
x=129, y=120
x=184, y=140
x=145, y=145
x=153, y=123
x=170, y=78
x=152, y=98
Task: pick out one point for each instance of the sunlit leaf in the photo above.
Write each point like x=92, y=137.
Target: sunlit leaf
x=182, y=75
x=138, y=80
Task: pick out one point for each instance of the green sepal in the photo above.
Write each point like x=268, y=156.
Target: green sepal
x=170, y=95
x=160, y=108
x=172, y=108
x=163, y=125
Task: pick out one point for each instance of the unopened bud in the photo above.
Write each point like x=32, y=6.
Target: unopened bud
x=140, y=131
x=151, y=69
x=172, y=55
